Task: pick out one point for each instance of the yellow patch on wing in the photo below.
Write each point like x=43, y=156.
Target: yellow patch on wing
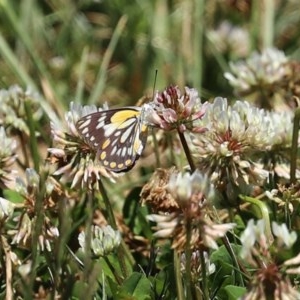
x=122, y=115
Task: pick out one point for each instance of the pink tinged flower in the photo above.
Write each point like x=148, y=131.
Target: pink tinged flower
x=172, y=110
x=169, y=115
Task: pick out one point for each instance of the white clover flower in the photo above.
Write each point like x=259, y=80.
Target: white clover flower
x=171, y=109
x=104, y=240
x=234, y=133
x=260, y=69
x=271, y=276
x=78, y=163
x=12, y=107
x=229, y=38
x=183, y=186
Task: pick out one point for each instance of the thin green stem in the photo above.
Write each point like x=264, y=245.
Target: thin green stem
x=186, y=150
x=88, y=237
x=121, y=252
x=237, y=269
x=204, y=277
x=156, y=152
x=33, y=140
x=178, y=278
x=188, y=256
x=37, y=230
x=109, y=210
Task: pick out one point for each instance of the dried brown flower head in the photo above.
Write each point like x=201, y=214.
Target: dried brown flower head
x=155, y=192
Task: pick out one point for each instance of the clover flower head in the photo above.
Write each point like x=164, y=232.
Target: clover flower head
x=230, y=39
x=260, y=69
x=185, y=186
x=224, y=149
x=172, y=110
x=104, y=240
x=271, y=278
x=192, y=194
x=12, y=107
x=76, y=161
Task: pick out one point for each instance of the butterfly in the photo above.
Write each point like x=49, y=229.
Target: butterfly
x=118, y=135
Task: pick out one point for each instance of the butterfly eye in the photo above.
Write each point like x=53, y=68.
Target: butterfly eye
x=117, y=135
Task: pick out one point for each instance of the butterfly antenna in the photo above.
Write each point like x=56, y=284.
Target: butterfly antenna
x=154, y=84
x=153, y=134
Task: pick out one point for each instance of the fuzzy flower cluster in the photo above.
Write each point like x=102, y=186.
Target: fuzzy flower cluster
x=104, y=240
x=230, y=39
x=191, y=192
x=171, y=109
x=12, y=108
x=76, y=162
x=234, y=133
x=7, y=158
x=271, y=278
x=260, y=69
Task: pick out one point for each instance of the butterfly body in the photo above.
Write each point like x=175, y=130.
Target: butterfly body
x=118, y=135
